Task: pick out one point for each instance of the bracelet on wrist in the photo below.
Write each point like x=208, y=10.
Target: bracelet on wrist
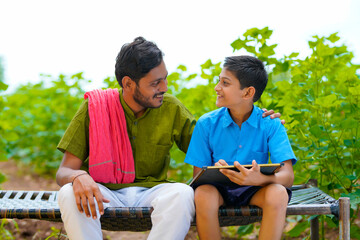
x=72, y=183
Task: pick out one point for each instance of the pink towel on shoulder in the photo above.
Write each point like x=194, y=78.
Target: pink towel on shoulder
x=110, y=159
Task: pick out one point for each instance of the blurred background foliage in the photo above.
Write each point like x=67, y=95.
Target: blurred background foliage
x=318, y=96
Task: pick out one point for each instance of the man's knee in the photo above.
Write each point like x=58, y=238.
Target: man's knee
x=185, y=192
x=66, y=195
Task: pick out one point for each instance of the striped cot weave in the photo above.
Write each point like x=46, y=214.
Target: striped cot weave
x=306, y=200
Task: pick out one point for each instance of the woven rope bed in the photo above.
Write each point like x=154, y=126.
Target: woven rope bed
x=306, y=200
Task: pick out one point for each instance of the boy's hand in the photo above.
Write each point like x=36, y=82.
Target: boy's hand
x=221, y=162
x=272, y=114
x=248, y=177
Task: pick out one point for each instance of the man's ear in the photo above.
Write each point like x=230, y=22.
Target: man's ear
x=127, y=83
x=250, y=92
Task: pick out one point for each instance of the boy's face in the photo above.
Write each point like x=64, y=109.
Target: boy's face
x=151, y=88
x=228, y=90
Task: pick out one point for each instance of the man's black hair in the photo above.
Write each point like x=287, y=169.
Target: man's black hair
x=250, y=71
x=136, y=59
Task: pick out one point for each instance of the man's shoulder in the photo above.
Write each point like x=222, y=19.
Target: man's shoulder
x=171, y=102
x=171, y=99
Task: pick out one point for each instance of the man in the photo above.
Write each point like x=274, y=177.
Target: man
x=155, y=120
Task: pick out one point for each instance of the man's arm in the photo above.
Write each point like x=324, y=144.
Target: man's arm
x=85, y=188
x=272, y=115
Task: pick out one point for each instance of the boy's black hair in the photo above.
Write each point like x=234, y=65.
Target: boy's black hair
x=136, y=59
x=250, y=71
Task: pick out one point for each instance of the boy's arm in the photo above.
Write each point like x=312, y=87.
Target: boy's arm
x=196, y=171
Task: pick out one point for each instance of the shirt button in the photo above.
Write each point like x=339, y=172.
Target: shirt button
x=240, y=146
x=135, y=123
x=133, y=137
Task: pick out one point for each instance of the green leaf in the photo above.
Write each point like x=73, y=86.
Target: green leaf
x=349, y=123
x=2, y=178
x=11, y=136
x=316, y=131
x=312, y=44
x=333, y=38
x=3, y=86
x=351, y=177
x=3, y=156
x=173, y=76
x=334, y=186
x=327, y=101
x=348, y=142
x=252, y=32
x=182, y=68
x=191, y=76
x=207, y=64
x=267, y=51
x=354, y=231
x=355, y=90
x=293, y=55
x=324, y=50
x=238, y=44
x=266, y=33
x=298, y=229
x=250, y=49
x=354, y=198
x=245, y=230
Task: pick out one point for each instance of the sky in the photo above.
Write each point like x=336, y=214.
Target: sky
x=67, y=37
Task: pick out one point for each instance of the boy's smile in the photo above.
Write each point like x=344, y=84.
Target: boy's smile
x=228, y=90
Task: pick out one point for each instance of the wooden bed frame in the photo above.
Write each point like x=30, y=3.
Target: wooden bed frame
x=307, y=199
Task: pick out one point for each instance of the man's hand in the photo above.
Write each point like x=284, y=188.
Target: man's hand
x=85, y=189
x=272, y=114
x=248, y=177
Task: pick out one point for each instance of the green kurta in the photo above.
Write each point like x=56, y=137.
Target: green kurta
x=151, y=136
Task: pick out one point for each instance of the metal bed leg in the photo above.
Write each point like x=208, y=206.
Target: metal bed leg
x=344, y=218
x=314, y=228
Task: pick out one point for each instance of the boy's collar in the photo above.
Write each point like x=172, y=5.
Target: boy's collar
x=252, y=120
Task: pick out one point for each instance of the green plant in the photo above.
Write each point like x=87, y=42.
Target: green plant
x=36, y=117
x=56, y=234
x=3, y=87
x=5, y=233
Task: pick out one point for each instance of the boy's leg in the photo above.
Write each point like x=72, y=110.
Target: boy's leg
x=76, y=224
x=207, y=203
x=273, y=199
x=174, y=210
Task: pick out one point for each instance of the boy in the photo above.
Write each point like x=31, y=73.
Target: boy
x=236, y=134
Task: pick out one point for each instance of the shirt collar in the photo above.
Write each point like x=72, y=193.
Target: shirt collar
x=227, y=120
x=252, y=120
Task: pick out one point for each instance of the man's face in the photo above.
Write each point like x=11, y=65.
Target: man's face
x=149, y=92
x=228, y=90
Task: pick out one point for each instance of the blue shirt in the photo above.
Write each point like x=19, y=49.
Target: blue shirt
x=216, y=136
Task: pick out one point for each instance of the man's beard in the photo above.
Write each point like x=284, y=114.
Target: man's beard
x=140, y=99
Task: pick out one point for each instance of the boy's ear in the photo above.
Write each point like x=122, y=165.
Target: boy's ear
x=250, y=92
x=127, y=83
